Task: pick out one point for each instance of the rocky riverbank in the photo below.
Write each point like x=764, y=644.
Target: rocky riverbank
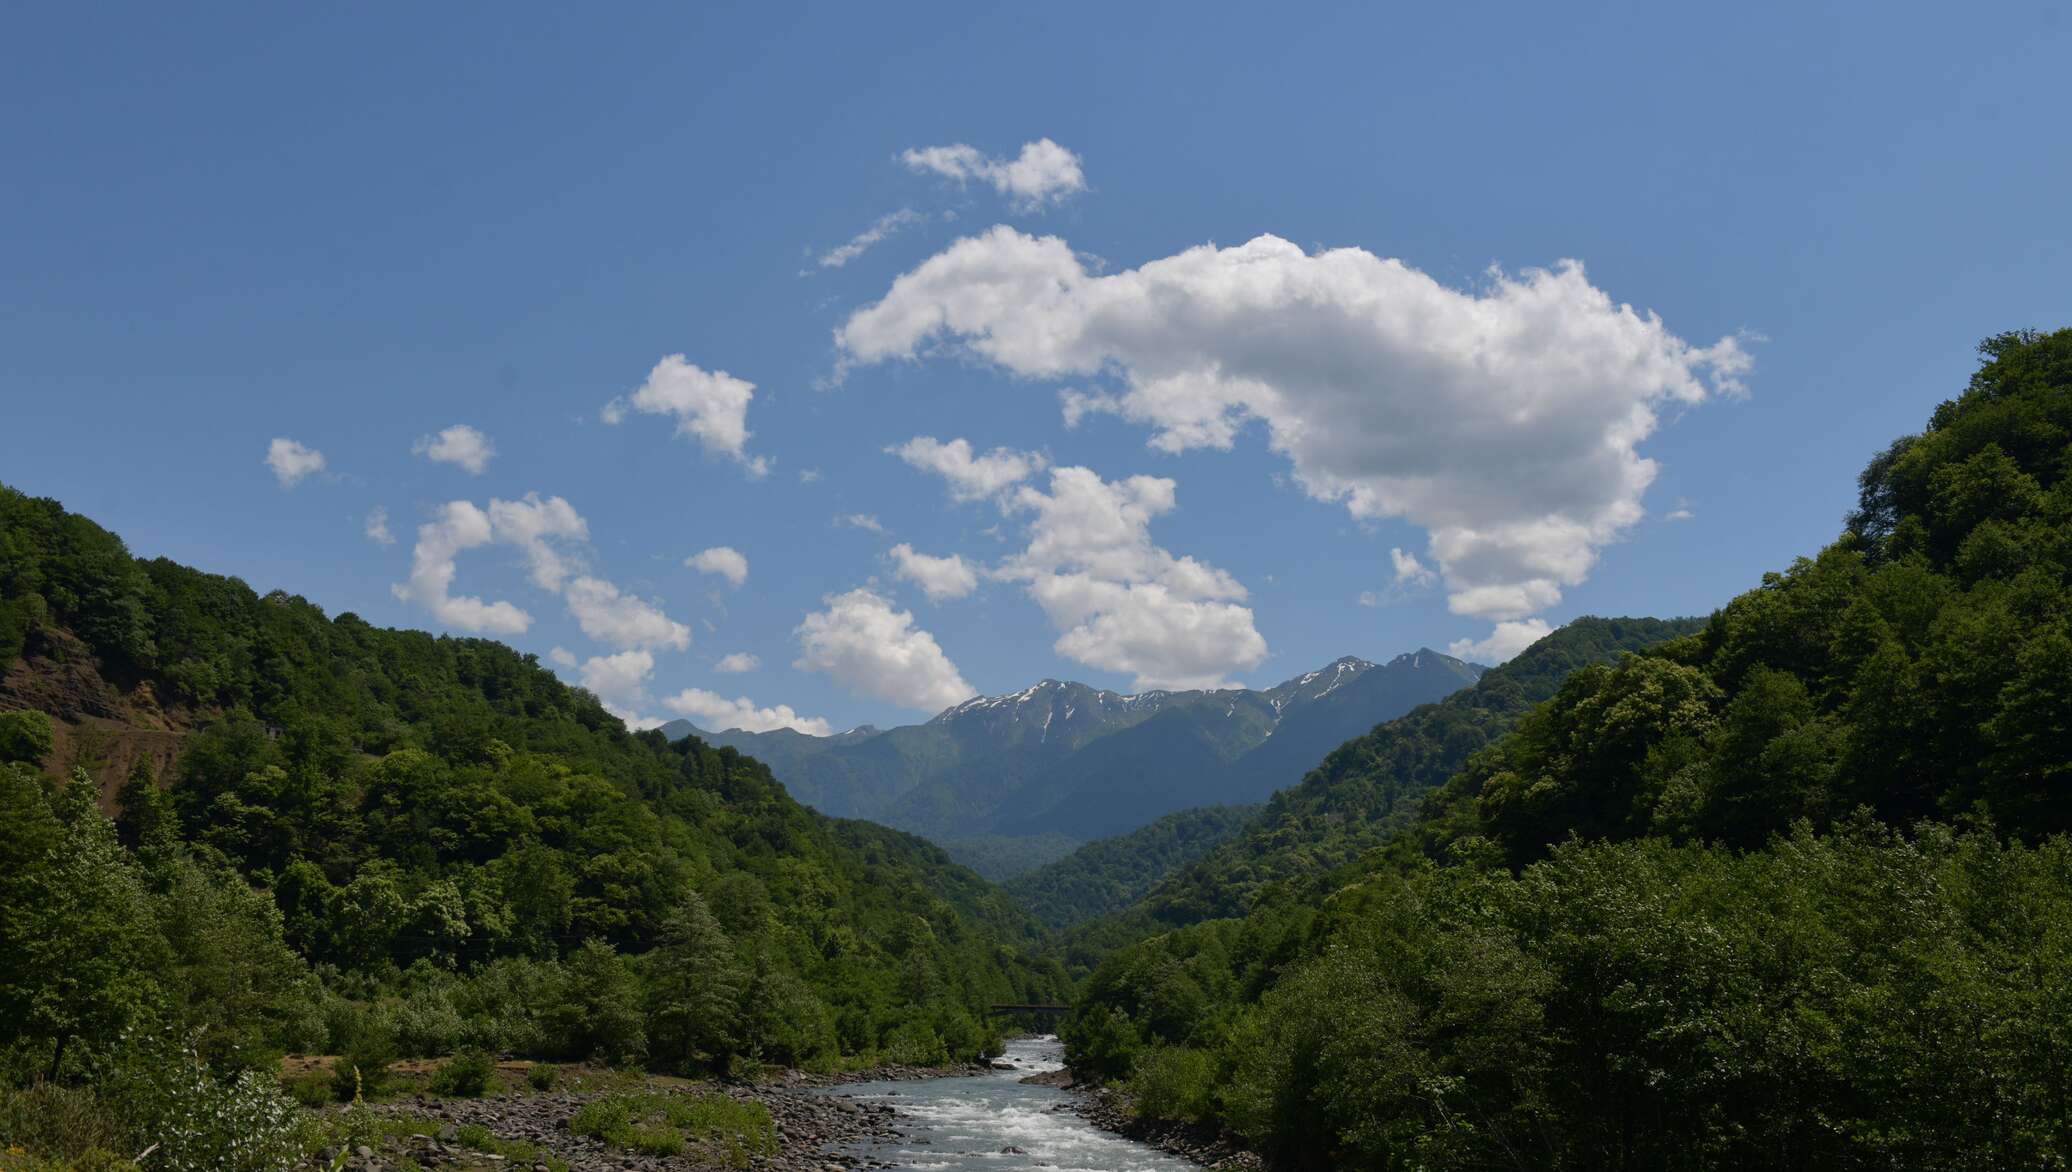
x=1109, y=1110
x=530, y=1130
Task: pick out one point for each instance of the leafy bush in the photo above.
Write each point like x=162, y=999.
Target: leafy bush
x=205, y=1124
x=310, y=1090
x=914, y=1042
x=1174, y=1082
x=543, y=1076
x=64, y=1122
x=24, y=737
x=467, y=1075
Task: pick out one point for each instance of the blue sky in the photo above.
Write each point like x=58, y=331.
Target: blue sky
x=358, y=228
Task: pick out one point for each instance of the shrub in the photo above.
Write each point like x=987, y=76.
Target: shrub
x=1173, y=1082
x=25, y=737
x=202, y=1124
x=543, y=1076
x=466, y=1075
x=62, y=1122
x=310, y=1090
x=914, y=1042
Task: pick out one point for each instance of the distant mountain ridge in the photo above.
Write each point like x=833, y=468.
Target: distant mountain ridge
x=1065, y=758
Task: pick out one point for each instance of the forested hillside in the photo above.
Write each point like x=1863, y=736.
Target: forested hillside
x=1104, y=877
x=428, y=843
x=1790, y=891
x=1366, y=788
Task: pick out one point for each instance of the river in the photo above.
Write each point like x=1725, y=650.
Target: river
x=966, y=1123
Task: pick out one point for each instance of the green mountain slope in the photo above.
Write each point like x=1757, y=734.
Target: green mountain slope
x=1353, y=799
x=414, y=801
x=1104, y=877
x=1792, y=891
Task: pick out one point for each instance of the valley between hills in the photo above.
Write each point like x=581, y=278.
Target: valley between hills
x=1787, y=885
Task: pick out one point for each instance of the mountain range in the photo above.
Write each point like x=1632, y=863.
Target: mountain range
x=1073, y=762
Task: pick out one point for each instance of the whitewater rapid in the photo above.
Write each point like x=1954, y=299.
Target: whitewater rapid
x=968, y=1123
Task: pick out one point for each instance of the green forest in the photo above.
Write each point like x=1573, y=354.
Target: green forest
x=382, y=844
x=1789, y=890
x=1105, y=877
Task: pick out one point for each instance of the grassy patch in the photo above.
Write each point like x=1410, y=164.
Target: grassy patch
x=660, y=1124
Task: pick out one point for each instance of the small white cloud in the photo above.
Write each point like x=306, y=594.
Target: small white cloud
x=541, y=529
x=724, y=560
x=737, y=662
x=971, y=477
x=1370, y=599
x=459, y=445
x=1681, y=512
x=620, y=683
x=377, y=527
x=709, y=406
x=1506, y=641
x=873, y=648
x=883, y=227
x=1044, y=172
x=939, y=578
x=1410, y=571
x=562, y=657
x=622, y=620
x=861, y=521
x=535, y=526
x=717, y=713
x=456, y=527
x=291, y=461
x=809, y=476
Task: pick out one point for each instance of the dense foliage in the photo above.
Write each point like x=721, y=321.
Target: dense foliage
x=431, y=843
x=1789, y=891
x=1364, y=789
x=1104, y=877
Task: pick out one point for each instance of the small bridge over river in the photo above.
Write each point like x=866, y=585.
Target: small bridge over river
x=1048, y=1014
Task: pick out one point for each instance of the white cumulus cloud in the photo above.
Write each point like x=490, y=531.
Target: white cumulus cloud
x=940, y=578
x=620, y=683
x=971, y=477
x=292, y=461
x=724, y=560
x=708, y=406
x=459, y=445
x=736, y=662
x=1507, y=640
x=871, y=647
x=535, y=526
x=622, y=620
x=1043, y=173
x=543, y=530
x=1120, y=601
x=862, y=521
x=457, y=526
x=377, y=529
x=717, y=713
x=1503, y=420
